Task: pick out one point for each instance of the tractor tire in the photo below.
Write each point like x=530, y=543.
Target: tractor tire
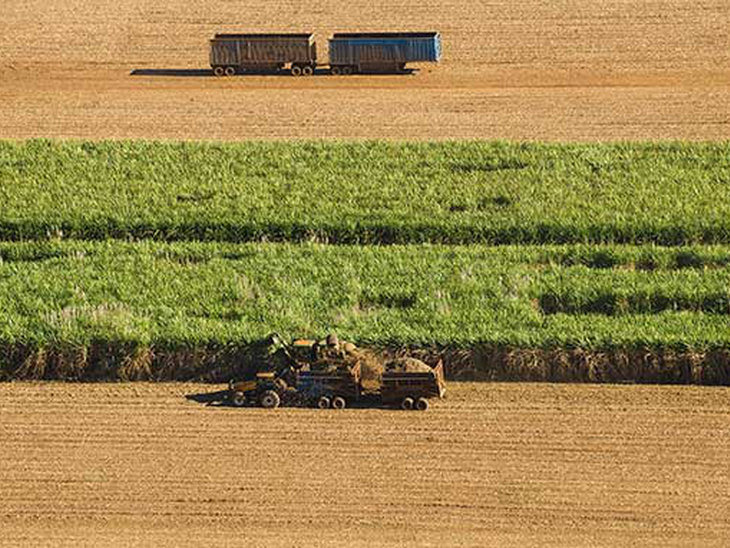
x=422, y=404
x=323, y=402
x=296, y=70
x=270, y=400
x=230, y=71
x=238, y=399
x=219, y=71
x=338, y=402
x=407, y=404
x=307, y=71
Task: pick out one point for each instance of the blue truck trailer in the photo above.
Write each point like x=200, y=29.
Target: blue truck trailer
x=350, y=53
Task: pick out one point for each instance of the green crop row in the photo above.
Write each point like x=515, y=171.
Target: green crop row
x=194, y=294
x=367, y=193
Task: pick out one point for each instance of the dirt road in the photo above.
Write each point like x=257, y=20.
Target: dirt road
x=538, y=70
x=501, y=465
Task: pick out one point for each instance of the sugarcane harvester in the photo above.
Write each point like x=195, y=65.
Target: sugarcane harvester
x=333, y=374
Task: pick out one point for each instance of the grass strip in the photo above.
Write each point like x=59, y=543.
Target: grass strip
x=198, y=294
x=367, y=193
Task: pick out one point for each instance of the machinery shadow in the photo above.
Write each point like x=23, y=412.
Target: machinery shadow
x=180, y=73
x=209, y=398
x=219, y=399
x=208, y=73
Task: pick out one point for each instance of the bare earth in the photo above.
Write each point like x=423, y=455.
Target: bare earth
x=492, y=465
x=535, y=70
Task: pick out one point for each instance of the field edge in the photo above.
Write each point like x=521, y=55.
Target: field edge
x=122, y=362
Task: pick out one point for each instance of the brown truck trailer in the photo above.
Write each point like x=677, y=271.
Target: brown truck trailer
x=411, y=389
x=330, y=387
x=236, y=53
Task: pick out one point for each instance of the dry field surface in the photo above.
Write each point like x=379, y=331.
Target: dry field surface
x=534, y=69
x=493, y=465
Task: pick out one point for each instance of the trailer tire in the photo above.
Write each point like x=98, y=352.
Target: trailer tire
x=296, y=70
x=335, y=71
x=230, y=71
x=323, y=402
x=338, y=402
x=422, y=404
x=347, y=71
x=270, y=400
x=238, y=399
x=407, y=404
x=219, y=71
x=307, y=71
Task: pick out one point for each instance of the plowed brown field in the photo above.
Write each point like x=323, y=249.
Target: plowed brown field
x=533, y=69
x=493, y=465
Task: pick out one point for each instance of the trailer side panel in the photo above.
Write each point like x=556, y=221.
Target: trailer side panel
x=241, y=50
x=384, y=48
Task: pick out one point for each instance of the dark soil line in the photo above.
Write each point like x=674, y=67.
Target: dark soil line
x=360, y=232
x=105, y=362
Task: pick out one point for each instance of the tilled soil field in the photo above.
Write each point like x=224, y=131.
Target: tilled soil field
x=565, y=70
x=501, y=465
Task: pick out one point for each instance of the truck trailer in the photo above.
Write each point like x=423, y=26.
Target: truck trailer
x=236, y=53
x=382, y=51
x=349, y=53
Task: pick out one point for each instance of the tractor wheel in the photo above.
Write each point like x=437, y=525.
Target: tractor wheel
x=238, y=399
x=335, y=71
x=323, y=402
x=296, y=70
x=407, y=404
x=347, y=71
x=270, y=400
x=307, y=71
x=219, y=71
x=422, y=404
x=230, y=71
x=339, y=402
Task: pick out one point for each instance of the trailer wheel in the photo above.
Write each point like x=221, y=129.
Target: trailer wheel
x=238, y=399
x=307, y=71
x=219, y=71
x=406, y=404
x=347, y=71
x=422, y=404
x=335, y=71
x=323, y=402
x=270, y=400
x=296, y=70
x=339, y=403
x=230, y=71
